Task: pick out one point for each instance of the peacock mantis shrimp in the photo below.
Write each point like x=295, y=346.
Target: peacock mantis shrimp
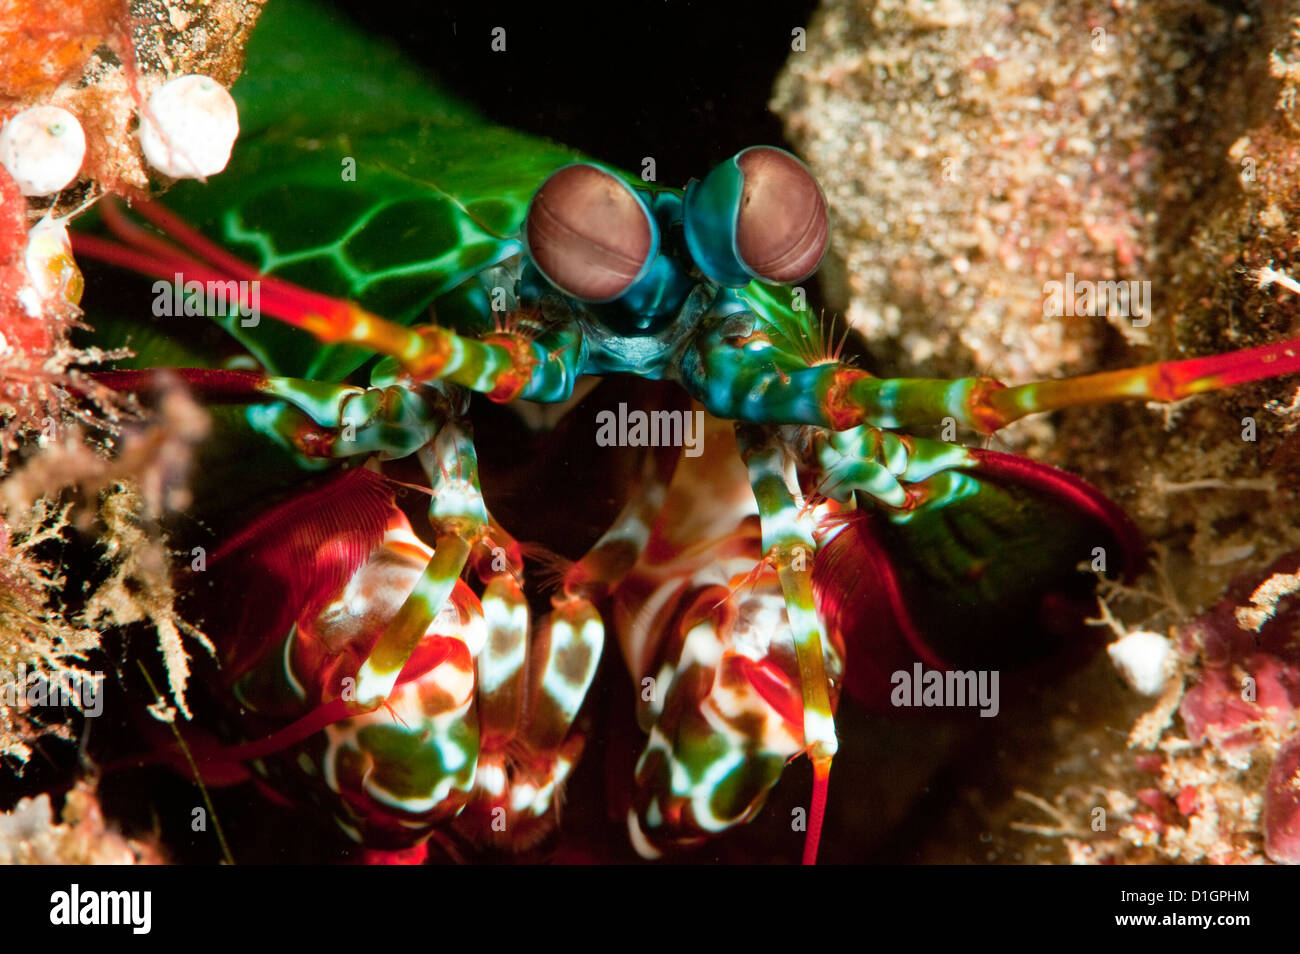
x=406, y=255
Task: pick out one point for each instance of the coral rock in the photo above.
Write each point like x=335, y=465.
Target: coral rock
x=1282, y=805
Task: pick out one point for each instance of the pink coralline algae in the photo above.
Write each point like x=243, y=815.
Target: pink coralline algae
x=1249, y=690
x=1282, y=805
x=1250, y=679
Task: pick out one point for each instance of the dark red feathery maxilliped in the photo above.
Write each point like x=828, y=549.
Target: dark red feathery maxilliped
x=290, y=561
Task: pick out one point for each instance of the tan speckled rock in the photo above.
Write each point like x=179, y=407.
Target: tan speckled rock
x=972, y=152
x=991, y=147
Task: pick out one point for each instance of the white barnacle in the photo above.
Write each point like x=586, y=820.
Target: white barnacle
x=188, y=127
x=1143, y=660
x=42, y=148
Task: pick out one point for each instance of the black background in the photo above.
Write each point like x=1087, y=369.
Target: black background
x=685, y=82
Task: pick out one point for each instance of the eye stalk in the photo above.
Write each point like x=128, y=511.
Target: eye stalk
x=759, y=215
x=589, y=233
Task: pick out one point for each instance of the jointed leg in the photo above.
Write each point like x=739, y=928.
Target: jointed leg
x=459, y=521
x=748, y=379
x=502, y=662
x=1166, y=381
x=504, y=366
x=532, y=682
x=889, y=467
x=987, y=405
x=788, y=542
x=322, y=420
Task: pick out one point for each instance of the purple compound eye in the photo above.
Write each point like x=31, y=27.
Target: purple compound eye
x=782, y=229
x=589, y=233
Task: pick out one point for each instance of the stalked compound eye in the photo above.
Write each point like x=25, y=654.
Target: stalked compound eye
x=782, y=227
x=590, y=234
x=758, y=215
